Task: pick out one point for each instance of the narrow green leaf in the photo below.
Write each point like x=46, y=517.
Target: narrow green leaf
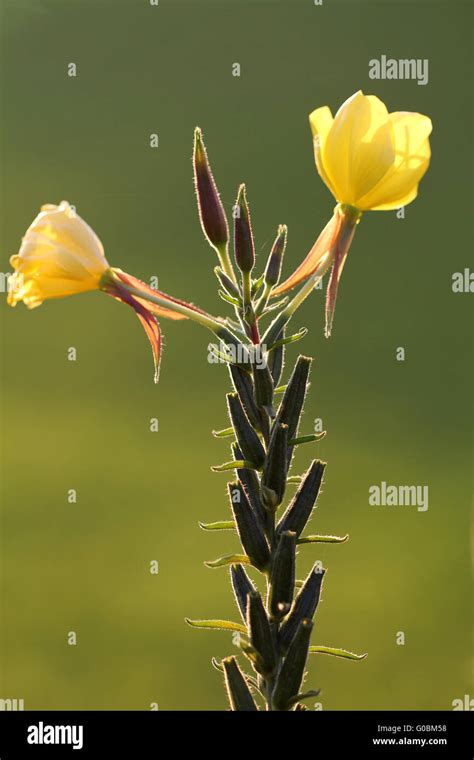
x=290, y=339
x=226, y=433
x=229, y=299
x=322, y=539
x=222, y=525
x=294, y=479
x=257, y=284
x=307, y=438
x=223, y=625
x=304, y=695
x=337, y=652
x=233, y=465
x=280, y=389
x=274, y=307
x=229, y=559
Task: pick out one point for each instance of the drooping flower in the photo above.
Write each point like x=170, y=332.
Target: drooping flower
x=371, y=160
x=61, y=255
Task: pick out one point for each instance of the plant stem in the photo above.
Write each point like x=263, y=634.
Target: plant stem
x=225, y=262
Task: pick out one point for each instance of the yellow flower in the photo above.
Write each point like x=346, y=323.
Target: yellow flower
x=369, y=158
x=60, y=255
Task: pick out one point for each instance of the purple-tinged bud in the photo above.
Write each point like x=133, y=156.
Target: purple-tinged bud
x=211, y=211
x=244, y=250
x=273, y=268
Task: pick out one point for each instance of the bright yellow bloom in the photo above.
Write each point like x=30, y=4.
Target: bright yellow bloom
x=369, y=158
x=60, y=255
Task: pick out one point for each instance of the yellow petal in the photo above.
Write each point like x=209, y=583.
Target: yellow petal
x=358, y=150
x=321, y=121
x=398, y=187
x=59, y=255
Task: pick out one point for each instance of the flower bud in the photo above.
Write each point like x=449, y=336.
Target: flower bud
x=211, y=211
x=227, y=283
x=243, y=238
x=273, y=268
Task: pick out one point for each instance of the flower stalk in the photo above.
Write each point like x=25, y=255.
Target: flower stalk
x=369, y=160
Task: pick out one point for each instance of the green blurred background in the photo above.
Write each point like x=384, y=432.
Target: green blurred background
x=84, y=567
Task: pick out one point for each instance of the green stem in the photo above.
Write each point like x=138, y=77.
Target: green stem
x=225, y=262
x=264, y=298
x=206, y=321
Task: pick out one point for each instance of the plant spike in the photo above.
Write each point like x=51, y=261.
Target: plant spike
x=275, y=633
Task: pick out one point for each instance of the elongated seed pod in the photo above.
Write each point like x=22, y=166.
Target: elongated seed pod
x=292, y=402
x=242, y=587
x=291, y=674
x=240, y=696
x=243, y=385
x=251, y=484
x=276, y=468
x=247, y=438
x=248, y=527
x=304, y=606
x=301, y=506
x=263, y=383
x=261, y=636
x=282, y=579
x=276, y=360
